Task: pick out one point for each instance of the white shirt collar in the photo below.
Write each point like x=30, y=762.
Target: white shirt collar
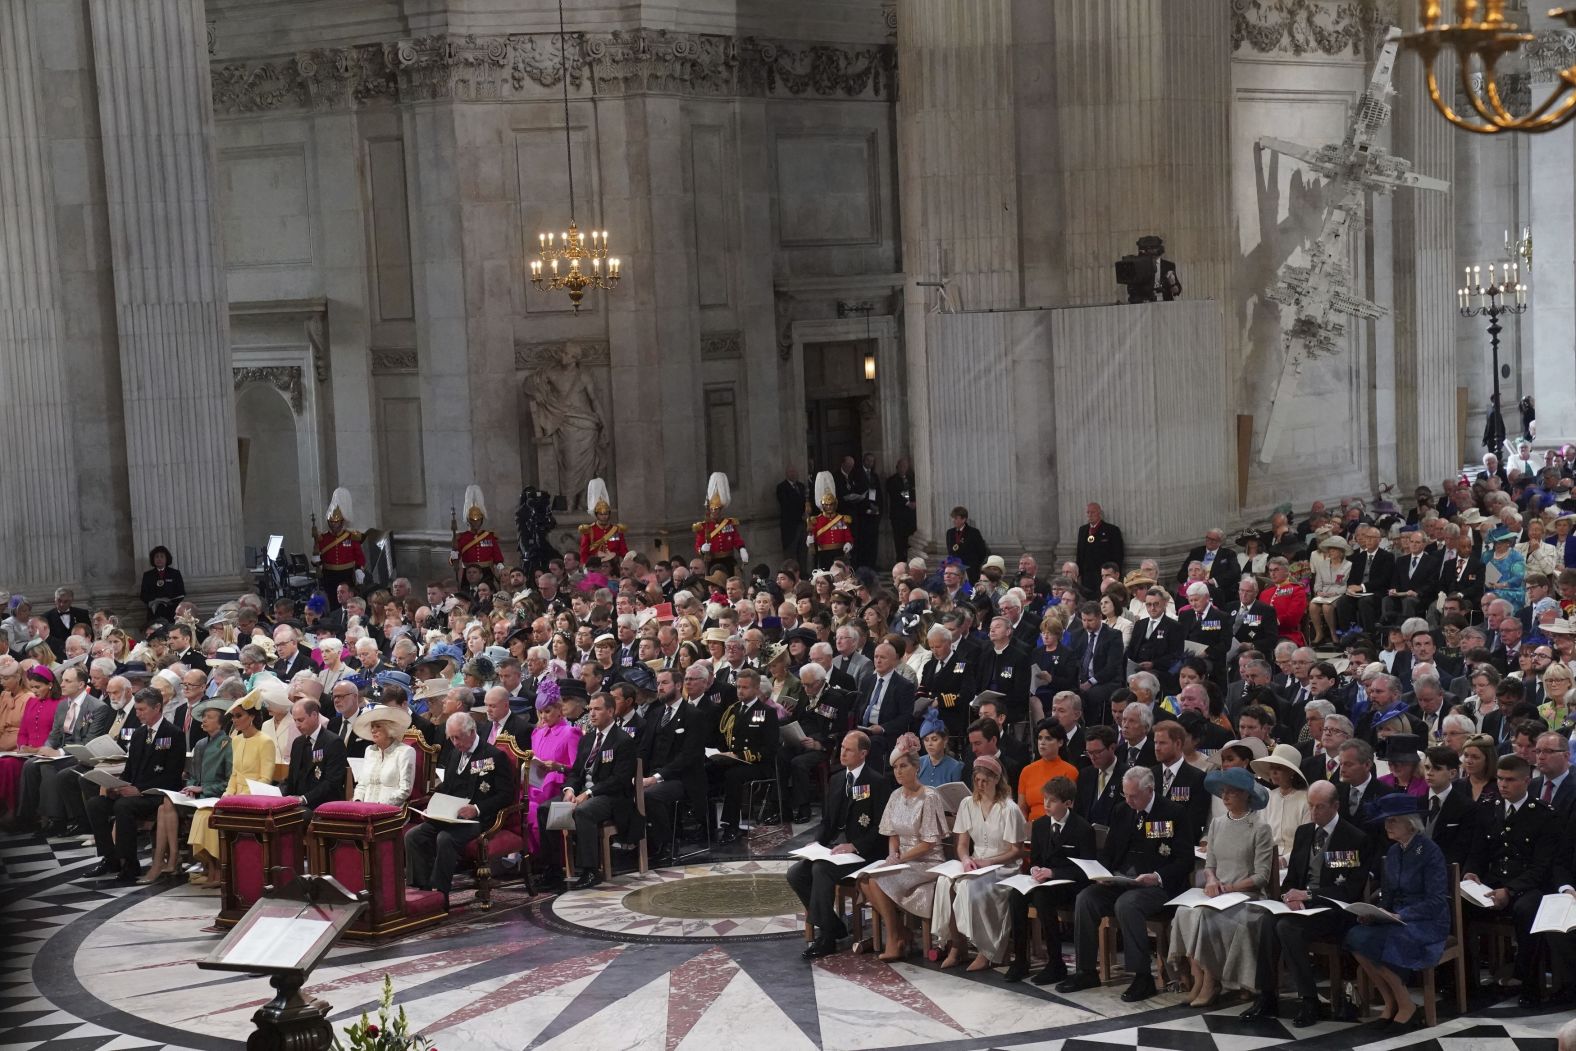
x=853, y=775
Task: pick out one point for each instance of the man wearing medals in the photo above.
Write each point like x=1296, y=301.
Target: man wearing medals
x=748, y=737
x=828, y=534
x=475, y=546
x=601, y=539
x=338, y=551
x=717, y=538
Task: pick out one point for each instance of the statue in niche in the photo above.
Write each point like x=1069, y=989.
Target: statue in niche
x=566, y=409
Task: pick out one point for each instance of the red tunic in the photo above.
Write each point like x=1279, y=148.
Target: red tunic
x=831, y=532
x=722, y=535
x=599, y=541
x=1290, y=602
x=341, y=550
x=478, y=548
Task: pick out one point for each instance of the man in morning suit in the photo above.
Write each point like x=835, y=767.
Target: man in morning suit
x=1368, y=583
x=473, y=770
x=856, y=798
x=1054, y=838
x=1101, y=668
x=1151, y=844
x=1100, y=783
x=601, y=787
x=1099, y=542
x=1414, y=581
x=155, y=757
x=673, y=746
x=317, y=760
x=1330, y=858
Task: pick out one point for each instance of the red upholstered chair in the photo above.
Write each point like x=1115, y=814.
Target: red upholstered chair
x=507, y=833
x=258, y=836
x=426, y=779
x=362, y=845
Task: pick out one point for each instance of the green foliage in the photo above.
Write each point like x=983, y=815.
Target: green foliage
x=391, y=1032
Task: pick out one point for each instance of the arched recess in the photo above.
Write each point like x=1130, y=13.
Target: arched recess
x=270, y=467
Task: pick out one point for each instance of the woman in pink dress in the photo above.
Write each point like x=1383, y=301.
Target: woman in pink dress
x=554, y=743
x=38, y=718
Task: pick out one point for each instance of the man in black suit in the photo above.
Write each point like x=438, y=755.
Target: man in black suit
x=885, y=709
x=348, y=702
x=1325, y=765
x=1368, y=583
x=1221, y=568
x=673, y=746
x=473, y=770
x=1330, y=858
x=1055, y=838
x=184, y=647
x=155, y=757
x=1206, y=624
x=792, y=496
x=856, y=799
x=1450, y=815
x=1358, y=788
x=1156, y=642
x=1253, y=624
x=1005, y=668
x=985, y=740
x=1181, y=783
x=62, y=618
x=1101, y=668
x=1414, y=581
x=1099, y=542
x=1149, y=842
x=748, y=740
x=1554, y=786
x=902, y=506
x=1067, y=709
x=602, y=788
x=949, y=679
x=1100, y=783
x=502, y=720
x=317, y=759
x=867, y=523
x=1135, y=746
x=292, y=658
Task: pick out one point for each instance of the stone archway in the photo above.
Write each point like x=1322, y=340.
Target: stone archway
x=265, y=425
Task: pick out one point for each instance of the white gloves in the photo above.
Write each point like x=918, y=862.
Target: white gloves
x=705, y=549
x=744, y=554
x=361, y=578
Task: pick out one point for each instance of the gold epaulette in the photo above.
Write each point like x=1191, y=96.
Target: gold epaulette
x=586, y=527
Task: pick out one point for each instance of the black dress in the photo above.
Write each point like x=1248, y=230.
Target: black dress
x=162, y=591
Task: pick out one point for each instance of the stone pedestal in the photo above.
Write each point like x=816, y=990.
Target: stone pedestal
x=156, y=126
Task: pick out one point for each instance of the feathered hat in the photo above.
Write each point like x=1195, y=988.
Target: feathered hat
x=825, y=489
x=340, y=502
x=596, y=496
x=717, y=493
x=473, y=498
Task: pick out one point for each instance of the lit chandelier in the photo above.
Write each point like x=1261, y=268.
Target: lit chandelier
x=1488, y=39
x=573, y=259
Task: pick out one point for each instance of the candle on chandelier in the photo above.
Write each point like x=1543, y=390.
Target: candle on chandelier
x=555, y=268
x=536, y=269
x=596, y=266
x=1521, y=295
x=612, y=268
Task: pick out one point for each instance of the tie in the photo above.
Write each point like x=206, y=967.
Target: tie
x=1356, y=801
x=1433, y=810
x=1316, y=863
x=1101, y=793
x=1415, y=560
x=1089, y=658
x=1165, y=789
x=875, y=704
x=667, y=715
x=186, y=728
x=1329, y=767
x=71, y=716
x=596, y=748
x=1149, y=632
x=492, y=738
x=1548, y=791
x=1056, y=831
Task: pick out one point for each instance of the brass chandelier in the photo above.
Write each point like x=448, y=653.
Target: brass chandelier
x=1488, y=39
x=572, y=261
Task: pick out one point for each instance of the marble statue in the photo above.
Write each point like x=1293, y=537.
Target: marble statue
x=566, y=409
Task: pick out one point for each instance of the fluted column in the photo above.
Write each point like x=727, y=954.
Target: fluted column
x=1428, y=440
x=156, y=119
x=38, y=512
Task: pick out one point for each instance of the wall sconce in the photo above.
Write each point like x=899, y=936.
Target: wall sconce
x=870, y=365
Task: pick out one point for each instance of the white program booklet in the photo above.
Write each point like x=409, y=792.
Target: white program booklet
x=1556, y=913
x=816, y=852
x=446, y=808
x=954, y=870
x=1023, y=883
x=261, y=788
x=1280, y=908
x=1194, y=897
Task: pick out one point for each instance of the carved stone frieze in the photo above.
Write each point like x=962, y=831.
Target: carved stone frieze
x=1554, y=50
x=391, y=361
x=721, y=346
x=1301, y=27
x=286, y=379
x=533, y=356
x=528, y=66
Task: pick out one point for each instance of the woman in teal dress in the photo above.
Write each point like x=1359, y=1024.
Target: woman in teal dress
x=1414, y=886
x=1500, y=553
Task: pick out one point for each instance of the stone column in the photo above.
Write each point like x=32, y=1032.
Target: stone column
x=38, y=516
x=1428, y=442
x=1551, y=318
x=156, y=120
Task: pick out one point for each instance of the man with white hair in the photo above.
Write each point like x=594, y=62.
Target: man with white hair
x=368, y=658
x=1205, y=624
x=475, y=771
x=626, y=654
x=822, y=653
x=1220, y=563
x=850, y=654
x=1024, y=628
x=948, y=680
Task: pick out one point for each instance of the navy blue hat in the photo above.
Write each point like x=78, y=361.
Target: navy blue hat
x=640, y=677
x=1397, y=804
x=393, y=678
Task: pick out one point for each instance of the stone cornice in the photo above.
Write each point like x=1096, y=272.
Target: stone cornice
x=1308, y=27
x=526, y=66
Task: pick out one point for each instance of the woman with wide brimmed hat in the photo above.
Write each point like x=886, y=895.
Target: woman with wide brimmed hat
x=782, y=685
x=1287, y=809
x=1332, y=571
x=1222, y=947
x=388, y=769
x=251, y=759
x=207, y=773
x=1505, y=570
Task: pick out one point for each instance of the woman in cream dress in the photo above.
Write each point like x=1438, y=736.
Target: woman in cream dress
x=388, y=769
x=1288, y=802
x=252, y=758
x=991, y=831
x=915, y=823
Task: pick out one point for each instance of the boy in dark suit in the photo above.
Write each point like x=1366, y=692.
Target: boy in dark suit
x=1054, y=838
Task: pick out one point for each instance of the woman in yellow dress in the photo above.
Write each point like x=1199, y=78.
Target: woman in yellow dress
x=252, y=758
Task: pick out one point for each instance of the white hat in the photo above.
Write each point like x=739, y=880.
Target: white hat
x=597, y=499
x=340, y=502
x=428, y=689
x=717, y=490
x=383, y=713
x=269, y=692
x=1284, y=755
x=473, y=498
x=824, y=487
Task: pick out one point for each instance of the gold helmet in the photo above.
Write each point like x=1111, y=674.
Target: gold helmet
x=717, y=494
x=474, y=506
x=597, y=501
x=339, y=506
x=826, y=492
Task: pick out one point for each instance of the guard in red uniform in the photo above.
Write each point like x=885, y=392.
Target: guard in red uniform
x=338, y=551
x=718, y=537
x=602, y=539
x=829, y=533
x=476, y=546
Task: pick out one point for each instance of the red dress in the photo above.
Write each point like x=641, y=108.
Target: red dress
x=1291, y=603
x=599, y=541
x=38, y=718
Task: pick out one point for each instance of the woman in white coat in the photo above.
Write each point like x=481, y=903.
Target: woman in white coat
x=388, y=770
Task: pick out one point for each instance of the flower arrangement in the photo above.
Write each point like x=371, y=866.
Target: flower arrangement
x=391, y=1032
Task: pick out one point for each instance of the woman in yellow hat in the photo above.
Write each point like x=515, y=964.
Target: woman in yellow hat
x=252, y=758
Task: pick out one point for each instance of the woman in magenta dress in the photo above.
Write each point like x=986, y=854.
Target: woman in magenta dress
x=38, y=718
x=554, y=743
x=1289, y=598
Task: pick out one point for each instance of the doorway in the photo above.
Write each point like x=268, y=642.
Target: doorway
x=833, y=431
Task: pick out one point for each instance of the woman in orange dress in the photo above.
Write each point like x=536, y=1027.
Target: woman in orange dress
x=1050, y=739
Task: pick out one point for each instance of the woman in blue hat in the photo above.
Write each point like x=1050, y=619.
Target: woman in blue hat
x=1414, y=887
x=1505, y=571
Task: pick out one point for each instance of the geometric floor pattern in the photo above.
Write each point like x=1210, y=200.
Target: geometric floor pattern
x=87, y=965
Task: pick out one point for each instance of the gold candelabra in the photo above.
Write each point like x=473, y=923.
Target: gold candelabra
x=1521, y=247
x=1487, y=39
x=582, y=263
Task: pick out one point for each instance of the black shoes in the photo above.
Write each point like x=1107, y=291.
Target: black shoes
x=728, y=834
x=588, y=879
x=819, y=948
x=1077, y=981
x=1054, y=971
x=1261, y=1008
x=1018, y=971
x=1307, y=1014
x=1143, y=988
x=105, y=867
x=802, y=815
x=128, y=873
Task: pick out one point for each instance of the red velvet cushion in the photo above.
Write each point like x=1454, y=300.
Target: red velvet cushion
x=263, y=804
x=505, y=842
x=419, y=903
x=347, y=809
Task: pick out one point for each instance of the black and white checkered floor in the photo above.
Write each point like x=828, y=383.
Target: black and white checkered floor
x=518, y=979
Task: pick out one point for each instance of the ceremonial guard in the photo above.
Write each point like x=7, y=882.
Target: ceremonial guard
x=338, y=551
x=829, y=532
x=475, y=546
x=718, y=537
x=601, y=539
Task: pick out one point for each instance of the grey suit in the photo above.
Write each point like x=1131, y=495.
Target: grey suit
x=858, y=667
x=45, y=784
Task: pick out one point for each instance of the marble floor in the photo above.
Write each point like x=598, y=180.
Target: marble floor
x=92, y=966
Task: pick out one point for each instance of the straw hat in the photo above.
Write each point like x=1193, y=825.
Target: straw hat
x=383, y=713
x=1286, y=757
x=268, y=693
x=432, y=689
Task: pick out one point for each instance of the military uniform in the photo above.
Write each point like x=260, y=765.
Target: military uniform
x=600, y=542
x=478, y=547
x=824, y=719
x=830, y=534
x=952, y=684
x=717, y=539
x=1516, y=853
x=340, y=556
x=749, y=731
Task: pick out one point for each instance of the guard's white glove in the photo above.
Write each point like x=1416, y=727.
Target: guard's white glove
x=361, y=578
x=847, y=548
x=744, y=554
x=454, y=556
x=809, y=541
x=705, y=549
